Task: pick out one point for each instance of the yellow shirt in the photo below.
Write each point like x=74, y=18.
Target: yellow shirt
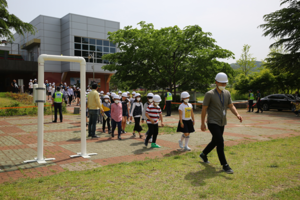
x=297, y=105
x=94, y=102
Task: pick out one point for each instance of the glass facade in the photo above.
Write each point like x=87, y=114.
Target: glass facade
x=87, y=46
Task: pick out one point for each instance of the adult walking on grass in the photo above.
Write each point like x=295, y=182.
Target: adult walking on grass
x=215, y=104
x=94, y=105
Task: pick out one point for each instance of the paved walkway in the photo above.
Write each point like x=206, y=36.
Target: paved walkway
x=18, y=142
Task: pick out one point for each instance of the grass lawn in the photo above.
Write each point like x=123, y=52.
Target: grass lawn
x=262, y=170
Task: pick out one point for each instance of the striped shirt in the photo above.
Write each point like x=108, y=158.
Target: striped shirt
x=153, y=113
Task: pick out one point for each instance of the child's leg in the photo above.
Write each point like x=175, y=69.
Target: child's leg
x=113, y=124
x=119, y=129
x=108, y=123
x=187, y=137
x=155, y=132
x=103, y=124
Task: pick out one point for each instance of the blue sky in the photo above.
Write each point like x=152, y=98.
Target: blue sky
x=232, y=23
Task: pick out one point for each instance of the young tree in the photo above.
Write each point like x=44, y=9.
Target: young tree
x=10, y=22
x=168, y=57
x=246, y=62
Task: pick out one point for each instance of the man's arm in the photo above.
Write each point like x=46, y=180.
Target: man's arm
x=203, y=115
x=235, y=112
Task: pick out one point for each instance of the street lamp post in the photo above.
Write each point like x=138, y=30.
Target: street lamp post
x=92, y=56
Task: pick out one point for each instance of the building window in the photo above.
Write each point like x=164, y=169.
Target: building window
x=87, y=46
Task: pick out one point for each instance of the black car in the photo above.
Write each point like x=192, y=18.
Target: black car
x=278, y=101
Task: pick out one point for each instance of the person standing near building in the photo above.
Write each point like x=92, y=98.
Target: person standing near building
x=215, y=104
x=116, y=116
x=250, y=100
x=153, y=114
x=94, y=105
x=15, y=87
x=70, y=94
x=136, y=112
x=106, y=107
x=57, y=100
x=65, y=93
x=47, y=85
x=125, y=113
x=30, y=86
x=186, y=120
x=49, y=91
x=35, y=81
x=258, y=102
x=78, y=96
x=168, y=101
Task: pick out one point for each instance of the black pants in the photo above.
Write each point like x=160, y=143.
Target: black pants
x=258, y=106
x=216, y=141
x=108, y=123
x=137, y=126
x=251, y=105
x=153, y=131
x=168, y=107
x=70, y=99
x=30, y=90
x=59, y=107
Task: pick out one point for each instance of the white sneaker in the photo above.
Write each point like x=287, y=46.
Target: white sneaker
x=150, y=140
x=187, y=148
x=127, y=122
x=180, y=144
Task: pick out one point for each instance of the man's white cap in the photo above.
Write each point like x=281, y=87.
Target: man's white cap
x=102, y=92
x=30, y=80
x=120, y=92
x=124, y=94
x=117, y=97
x=108, y=93
x=221, y=77
x=106, y=97
x=150, y=94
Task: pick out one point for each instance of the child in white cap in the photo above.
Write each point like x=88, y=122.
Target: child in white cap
x=116, y=116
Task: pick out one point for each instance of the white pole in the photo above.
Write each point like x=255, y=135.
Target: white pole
x=83, y=109
x=41, y=100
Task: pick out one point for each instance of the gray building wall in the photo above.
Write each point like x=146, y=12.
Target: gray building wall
x=57, y=37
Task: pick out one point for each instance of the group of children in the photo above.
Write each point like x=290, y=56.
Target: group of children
x=119, y=108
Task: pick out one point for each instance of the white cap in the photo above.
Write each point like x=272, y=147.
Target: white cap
x=150, y=94
x=65, y=83
x=221, y=78
x=46, y=80
x=49, y=83
x=117, y=97
x=102, y=92
x=108, y=93
x=133, y=92
x=53, y=83
x=30, y=80
x=185, y=95
x=106, y=97
x=137, y=94
x=156, y=98
x=77, y=88
x=128, y=92
x=120, y=92
x=35, y=79
x=124, y=94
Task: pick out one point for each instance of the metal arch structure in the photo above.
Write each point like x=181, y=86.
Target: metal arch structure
x=41, y=100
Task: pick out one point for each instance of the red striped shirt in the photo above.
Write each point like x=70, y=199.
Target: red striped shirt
x=153, y=113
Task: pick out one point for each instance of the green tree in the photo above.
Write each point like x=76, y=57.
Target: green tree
x=168, y=57
x=246, y=62
x=9, y=22
x=284, y=24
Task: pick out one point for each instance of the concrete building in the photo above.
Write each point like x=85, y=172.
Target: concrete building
x=71, y=35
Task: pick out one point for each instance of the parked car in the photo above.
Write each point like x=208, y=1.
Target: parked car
x=278, y=101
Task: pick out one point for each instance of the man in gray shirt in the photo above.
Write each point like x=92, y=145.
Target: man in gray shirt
x=216, y=102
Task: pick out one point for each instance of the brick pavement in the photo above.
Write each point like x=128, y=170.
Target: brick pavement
x=18, y=142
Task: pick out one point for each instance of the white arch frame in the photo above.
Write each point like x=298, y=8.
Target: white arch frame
x=41, y=100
